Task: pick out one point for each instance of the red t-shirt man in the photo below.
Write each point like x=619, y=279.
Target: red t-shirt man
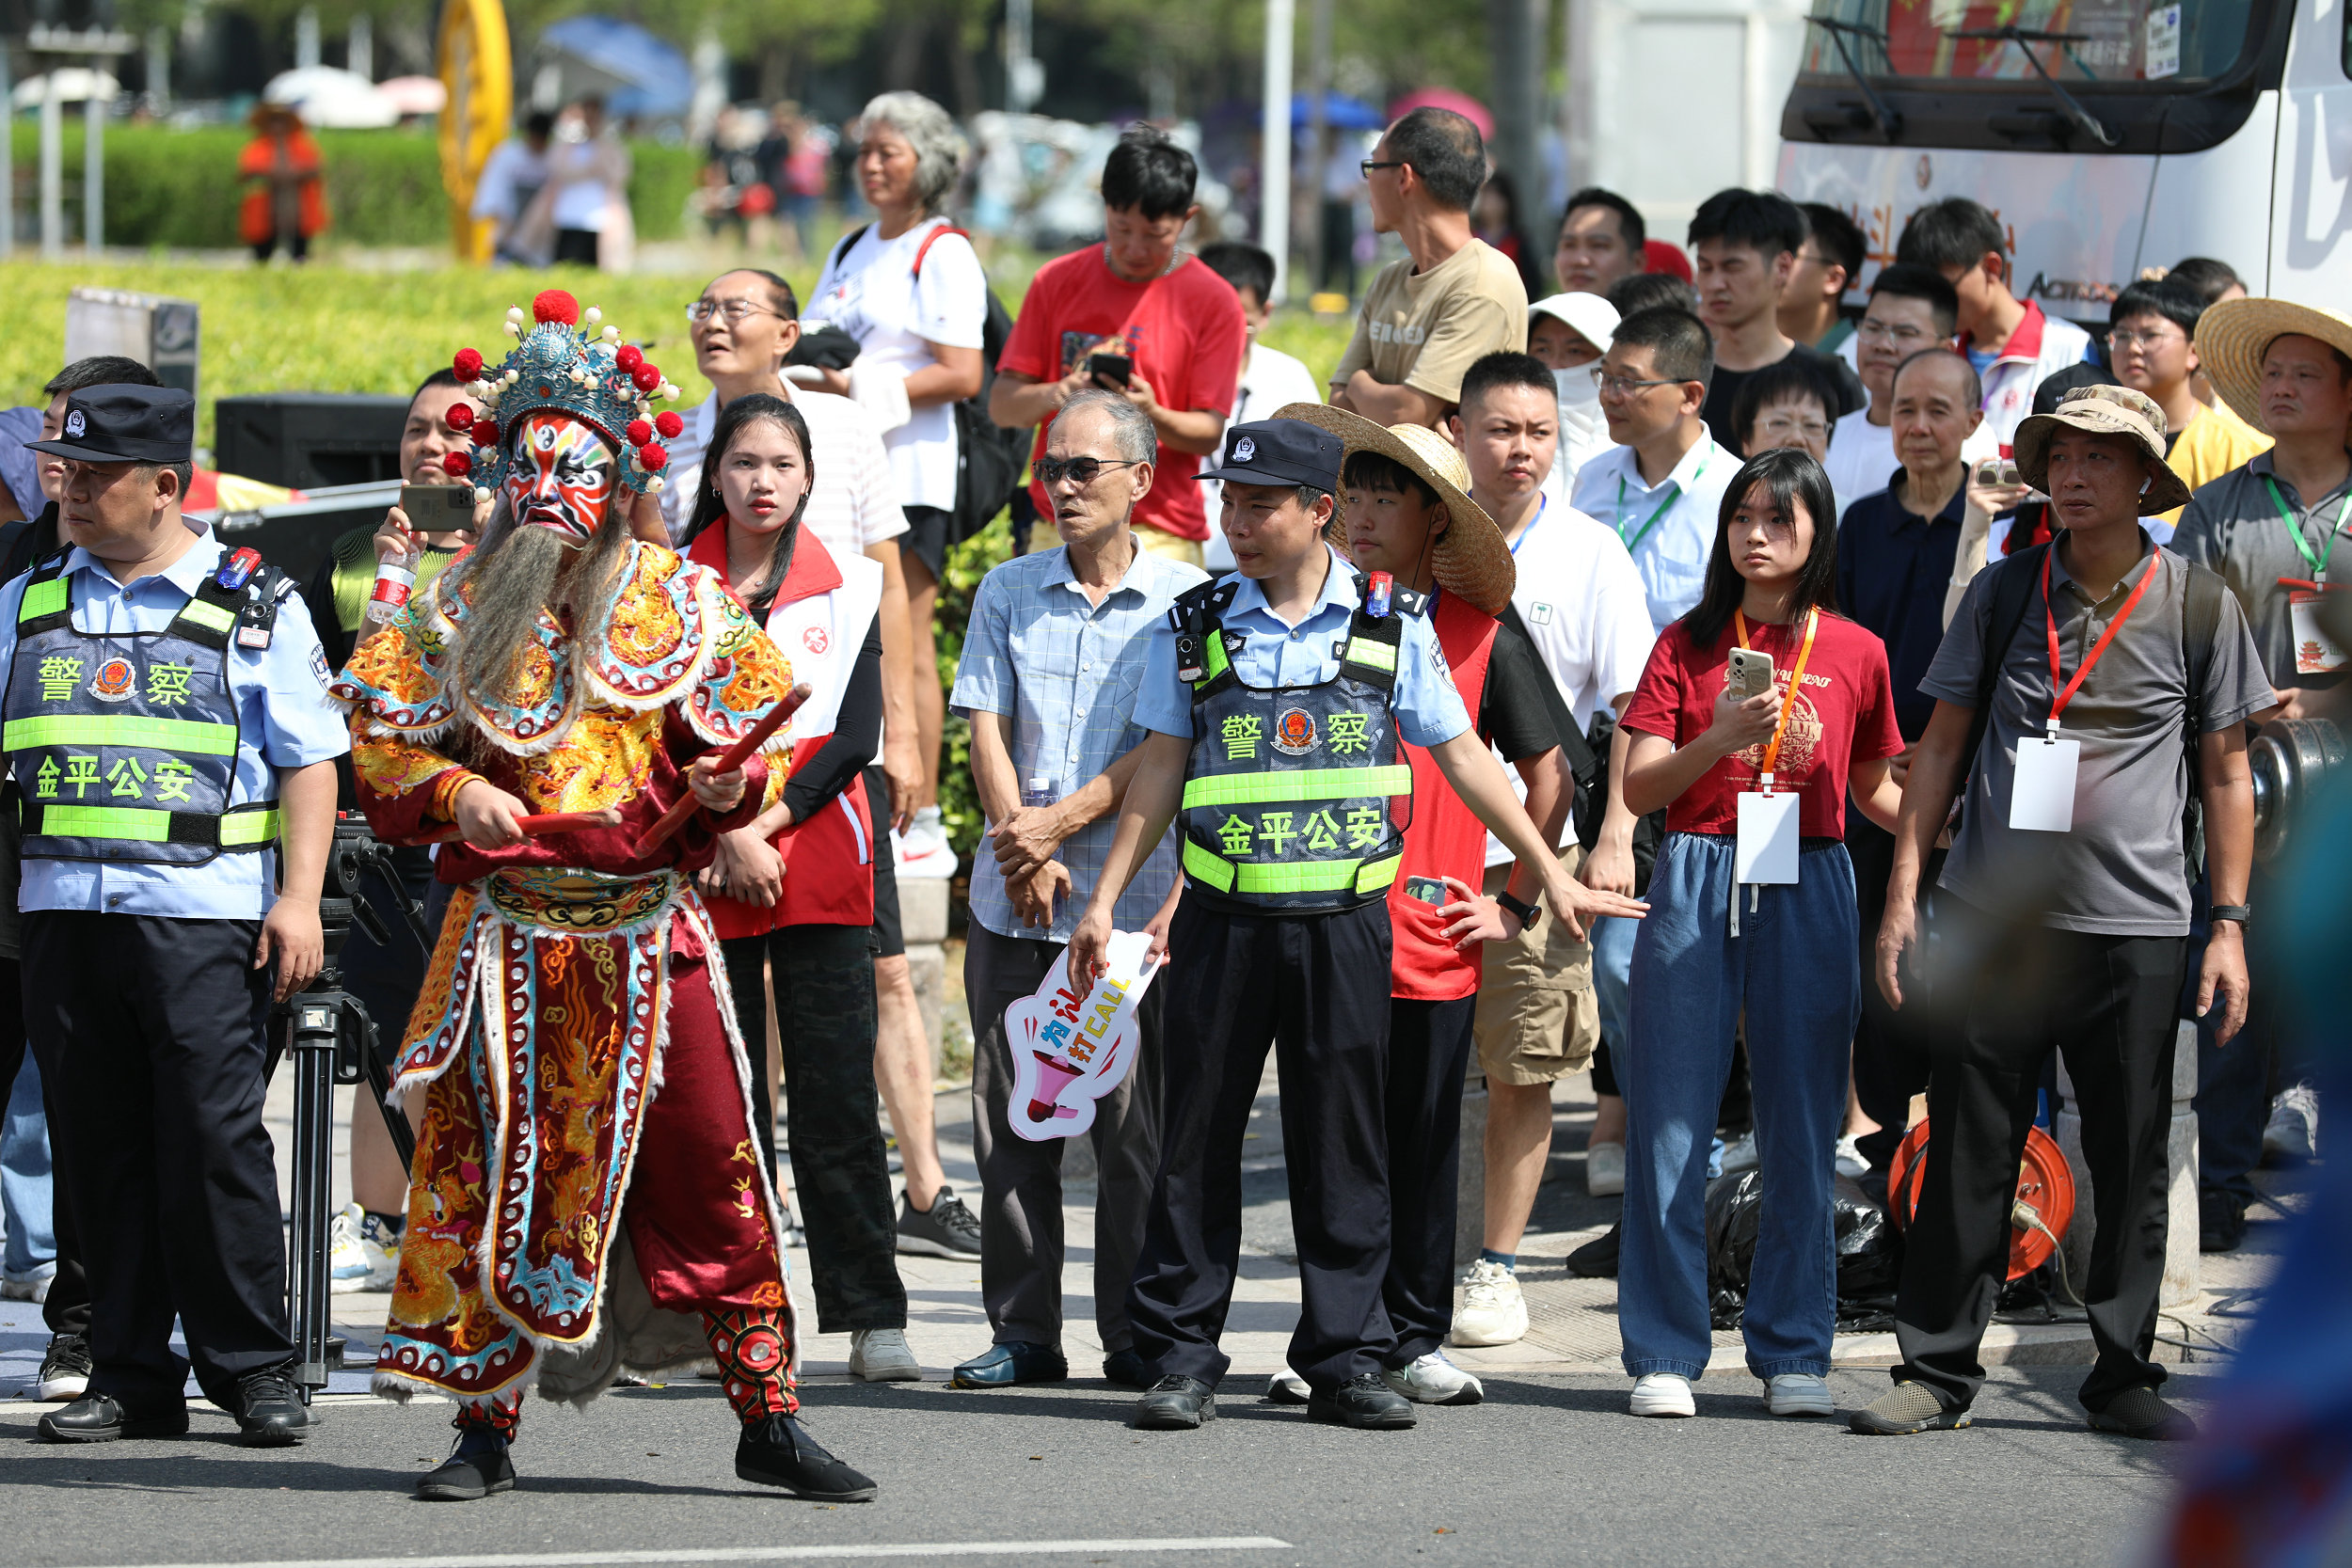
x=1183, y=329
x=1845, y=713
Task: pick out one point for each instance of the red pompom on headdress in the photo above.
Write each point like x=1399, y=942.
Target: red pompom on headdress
x=628, y=356
x=459, y=417
x=646, y=377
x=468, y=364
x=554, y=304
x=456, y=464
x=639, y=433
x=653, y=456
x=669, y=425
x=485, y=431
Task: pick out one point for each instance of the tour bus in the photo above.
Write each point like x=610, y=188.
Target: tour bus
x=2113, y=137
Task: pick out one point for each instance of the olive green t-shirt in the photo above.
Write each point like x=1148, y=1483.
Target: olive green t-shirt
x=1424, y=331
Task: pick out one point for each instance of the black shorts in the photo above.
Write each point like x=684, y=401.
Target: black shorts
x=926, y=539
x=890, y=940
x=576, y=246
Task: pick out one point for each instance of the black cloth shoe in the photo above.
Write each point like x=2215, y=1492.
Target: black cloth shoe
x=779, y=1451
x=270, y=1411
x=100, y=1419
x=1176, y=1403
x=2220, y=1222
x=1128, y=1368
x=1365, y=1402
x=2142, y=1412
x=1012, y=1362
x=947, y=1229
x=1597, y=1258
x=479, y=1466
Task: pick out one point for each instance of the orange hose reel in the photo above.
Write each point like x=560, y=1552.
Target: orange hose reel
x=2044, y=1181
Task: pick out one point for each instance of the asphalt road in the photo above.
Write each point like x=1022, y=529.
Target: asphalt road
x=1550, y=1470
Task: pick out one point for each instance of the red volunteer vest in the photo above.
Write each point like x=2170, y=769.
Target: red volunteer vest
x=1444, y=837
x=829, y=859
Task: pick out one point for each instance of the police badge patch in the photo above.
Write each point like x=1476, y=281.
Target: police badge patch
x=1295, y=733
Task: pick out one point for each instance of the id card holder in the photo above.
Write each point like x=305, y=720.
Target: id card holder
x=2315, y=652
x=1766, y=848
x=2042, y=800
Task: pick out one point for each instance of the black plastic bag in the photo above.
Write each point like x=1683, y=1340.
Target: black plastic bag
x=1869, y=1252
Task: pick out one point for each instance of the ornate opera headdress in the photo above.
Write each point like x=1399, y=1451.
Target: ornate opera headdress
x=564, y=367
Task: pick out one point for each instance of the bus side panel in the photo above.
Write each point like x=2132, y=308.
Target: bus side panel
x=2217, y=202
x=2310, y=208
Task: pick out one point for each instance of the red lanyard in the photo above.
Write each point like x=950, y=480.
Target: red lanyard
x=1788, y=698
x=2049, y=621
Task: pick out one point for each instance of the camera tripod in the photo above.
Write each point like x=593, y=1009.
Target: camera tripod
x=331, y=1040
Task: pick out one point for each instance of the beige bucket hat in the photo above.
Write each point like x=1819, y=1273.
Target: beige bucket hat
x=2103, y=411
x=2233, y=336
x=1472, y=560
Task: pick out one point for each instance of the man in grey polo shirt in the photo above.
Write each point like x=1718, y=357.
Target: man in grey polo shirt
x=2061, y=920
x=1053, y=657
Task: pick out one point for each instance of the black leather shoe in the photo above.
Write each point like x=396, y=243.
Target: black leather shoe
x=99, y=1419
x=477, y=1468
x=2220, y=1222
x=1128, y=1368
x=1014, y=1362
x=1364, y=1401
x=779, y=1451
x=1176, y=1403
x=270, y=1411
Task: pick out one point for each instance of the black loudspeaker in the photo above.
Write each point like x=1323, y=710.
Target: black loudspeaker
x=309, y=440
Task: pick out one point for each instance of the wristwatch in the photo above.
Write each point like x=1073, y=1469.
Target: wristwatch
x=2238, y=912
x=1528, y=913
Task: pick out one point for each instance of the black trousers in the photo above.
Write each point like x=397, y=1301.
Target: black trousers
x=1021, y=1221
x=153, y=1032
x=1316, y=988
x=66, y=1308
x=2019, y=991
x=1892, y=1049
x=1429, y=1047
x=824, y=983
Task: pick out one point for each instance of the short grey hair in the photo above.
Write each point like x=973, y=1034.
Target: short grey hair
x=1132, y=436
x=931, y=131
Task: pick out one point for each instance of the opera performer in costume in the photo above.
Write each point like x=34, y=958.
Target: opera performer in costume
x=588, y=1195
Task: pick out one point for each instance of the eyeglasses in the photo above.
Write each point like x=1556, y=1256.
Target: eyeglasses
x=735, y=311
x=1881, y=332
x=1619, y=386
x=1782, y=426
x=1082, y=472
x=2126, y=342
x=1371, y=163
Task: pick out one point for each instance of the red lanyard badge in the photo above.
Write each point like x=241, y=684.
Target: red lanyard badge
x=2049, y=621
x=1788, y=698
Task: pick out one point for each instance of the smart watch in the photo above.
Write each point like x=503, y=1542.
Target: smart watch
x=2238, y=912
x=1528, y=913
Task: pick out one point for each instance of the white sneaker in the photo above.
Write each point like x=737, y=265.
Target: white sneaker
x=1288, y=1387
x=1493, y=1312
x=32, y=1287
x=1850, y=1164
x=881, y=1355
x=1604, y=1169
x=362, y=1253
x=923, y=849
x=1798, y=1394
x=1432, y=1379
x=1664, y=1394
x=1739, y=1153
x=2293, y=1131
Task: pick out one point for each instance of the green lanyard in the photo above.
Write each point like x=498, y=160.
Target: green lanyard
x=2317, y=563
x=1673, y=494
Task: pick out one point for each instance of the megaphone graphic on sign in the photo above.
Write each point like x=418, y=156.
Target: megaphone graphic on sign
x=1070, y=1049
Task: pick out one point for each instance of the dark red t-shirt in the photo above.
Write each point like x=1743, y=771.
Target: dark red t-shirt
x=1845, y=713
x=1185, y=333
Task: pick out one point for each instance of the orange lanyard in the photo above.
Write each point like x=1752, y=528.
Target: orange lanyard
x=1788, y=698
x=2049, y=621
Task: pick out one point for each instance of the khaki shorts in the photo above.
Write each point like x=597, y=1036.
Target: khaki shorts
x=1537, y=1017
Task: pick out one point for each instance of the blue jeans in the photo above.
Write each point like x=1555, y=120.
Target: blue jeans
x=25, y=1181
x=1612, y=970
x=1795, y=969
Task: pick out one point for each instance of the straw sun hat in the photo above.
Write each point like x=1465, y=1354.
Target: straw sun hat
x=2104, y=411
x=1472, y=560
x=2233, y=336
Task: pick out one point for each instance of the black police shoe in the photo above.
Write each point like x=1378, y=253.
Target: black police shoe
x=1176, y=1403
x=101, y=1418
x=270, y=1411
x=1364, y=1400
x=779, y=1451
x=478, y=1467
x=1128, y=1368
x=1014, y=1362
x=2220, y=1222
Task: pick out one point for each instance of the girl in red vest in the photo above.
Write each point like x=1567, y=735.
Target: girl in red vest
x=792, y=894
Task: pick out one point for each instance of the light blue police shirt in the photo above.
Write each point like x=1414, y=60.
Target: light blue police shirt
x=1429, y=711
x=280, y=694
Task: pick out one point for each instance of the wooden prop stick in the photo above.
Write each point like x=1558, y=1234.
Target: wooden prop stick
x=551, y=822
x=729, y=760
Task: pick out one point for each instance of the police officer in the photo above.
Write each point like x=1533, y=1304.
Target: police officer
x=166, y=724
x=1276, y=699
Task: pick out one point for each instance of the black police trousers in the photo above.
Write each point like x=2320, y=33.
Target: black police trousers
x=1316, y=988
x=152, y=1035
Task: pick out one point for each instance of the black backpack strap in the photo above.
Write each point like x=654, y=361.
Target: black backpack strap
x=843, y=247
x=1581, y=761
x=2200, y=633
x=2015, y=586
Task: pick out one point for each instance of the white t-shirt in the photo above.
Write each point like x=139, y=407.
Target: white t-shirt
x=583, y=203
x=1271, y=379
x=855, y=503
x=873, y=293
x=1670, y=529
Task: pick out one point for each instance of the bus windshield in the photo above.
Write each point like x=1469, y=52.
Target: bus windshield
x=2073, y=40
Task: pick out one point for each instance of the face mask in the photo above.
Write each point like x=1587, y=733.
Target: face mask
x=1577, y=384
x=561, y=477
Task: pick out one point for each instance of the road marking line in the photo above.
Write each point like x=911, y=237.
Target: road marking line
x=779, y=1554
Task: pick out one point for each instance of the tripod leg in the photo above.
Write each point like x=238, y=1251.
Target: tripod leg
x=310, y=1279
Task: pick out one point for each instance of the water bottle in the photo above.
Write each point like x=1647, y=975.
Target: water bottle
x=1039, y=792
x=394, y=580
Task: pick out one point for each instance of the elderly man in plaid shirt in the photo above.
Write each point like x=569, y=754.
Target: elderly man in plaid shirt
x=1052, y=661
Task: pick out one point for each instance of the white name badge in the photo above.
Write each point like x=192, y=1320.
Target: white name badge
x=1767, y=848
x=2315, y=652
x=2043, y=799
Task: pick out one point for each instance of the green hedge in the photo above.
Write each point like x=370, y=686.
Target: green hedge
x=180, y=190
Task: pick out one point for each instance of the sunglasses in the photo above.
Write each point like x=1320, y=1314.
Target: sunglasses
x=1081, y=470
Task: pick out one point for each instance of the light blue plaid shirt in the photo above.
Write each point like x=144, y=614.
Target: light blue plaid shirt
x=1067, y=674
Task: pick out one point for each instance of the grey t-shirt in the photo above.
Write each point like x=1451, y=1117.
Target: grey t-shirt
x=2232, y=526
x=2121, y=870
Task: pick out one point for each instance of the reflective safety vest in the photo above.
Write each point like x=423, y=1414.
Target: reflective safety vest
x=123, y=746
x=1289, y=792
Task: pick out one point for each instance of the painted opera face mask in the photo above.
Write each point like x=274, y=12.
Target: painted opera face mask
x=560, y=477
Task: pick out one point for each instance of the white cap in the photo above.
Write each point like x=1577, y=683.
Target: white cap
x=1594, y=318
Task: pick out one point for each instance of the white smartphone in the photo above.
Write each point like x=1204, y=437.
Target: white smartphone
x=1750, y=673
